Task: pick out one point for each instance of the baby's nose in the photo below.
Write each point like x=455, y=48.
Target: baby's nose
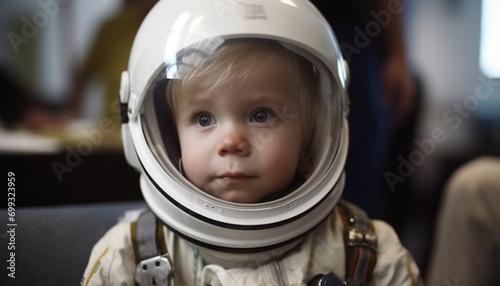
x=234, y=142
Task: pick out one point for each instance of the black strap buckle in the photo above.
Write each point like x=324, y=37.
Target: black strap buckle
x=329, y=279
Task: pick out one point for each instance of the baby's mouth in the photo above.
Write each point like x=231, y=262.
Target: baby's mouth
x=235, y=177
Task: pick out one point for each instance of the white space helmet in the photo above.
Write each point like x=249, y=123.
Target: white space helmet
x=170, y=35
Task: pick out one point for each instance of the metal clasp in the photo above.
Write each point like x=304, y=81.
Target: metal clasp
x=154, y=271
x=357, y=238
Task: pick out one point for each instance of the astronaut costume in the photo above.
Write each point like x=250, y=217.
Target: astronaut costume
x=291, y=240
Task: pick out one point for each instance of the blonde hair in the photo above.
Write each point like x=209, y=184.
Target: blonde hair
x=234, y=62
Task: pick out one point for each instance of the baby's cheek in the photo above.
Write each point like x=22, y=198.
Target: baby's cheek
x=193, y=168
x=283, y=162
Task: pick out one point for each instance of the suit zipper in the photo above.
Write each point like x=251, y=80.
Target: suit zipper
x=278, y=274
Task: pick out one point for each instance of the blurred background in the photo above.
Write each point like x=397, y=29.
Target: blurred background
x=59, y=129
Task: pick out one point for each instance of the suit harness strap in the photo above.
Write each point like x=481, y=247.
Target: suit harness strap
x=155, y=267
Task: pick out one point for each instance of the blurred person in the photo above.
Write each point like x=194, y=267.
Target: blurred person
x=467, y=235
x=381, y=93
x=107, y=57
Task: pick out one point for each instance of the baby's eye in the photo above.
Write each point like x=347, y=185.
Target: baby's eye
x=205, y=120
x=261, y=116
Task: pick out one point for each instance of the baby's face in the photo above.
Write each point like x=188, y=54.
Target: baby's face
x=242, y=143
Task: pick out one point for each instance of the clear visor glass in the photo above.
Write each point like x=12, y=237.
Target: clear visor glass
x=282, y=81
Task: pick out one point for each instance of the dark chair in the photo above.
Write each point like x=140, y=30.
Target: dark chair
x=53, y=244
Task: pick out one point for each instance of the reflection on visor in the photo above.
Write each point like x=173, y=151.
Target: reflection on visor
x=189, y=58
